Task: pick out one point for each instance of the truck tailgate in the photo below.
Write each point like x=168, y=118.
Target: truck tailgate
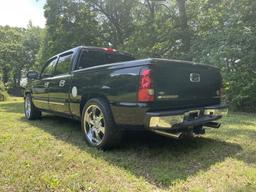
x=185, y=84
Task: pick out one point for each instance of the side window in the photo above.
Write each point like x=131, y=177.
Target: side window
x=49, y=69
x=90, y=59
x=63, y=65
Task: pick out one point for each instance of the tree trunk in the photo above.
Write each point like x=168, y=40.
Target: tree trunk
x=151, y=8
x=5, y=75
x=186, y=38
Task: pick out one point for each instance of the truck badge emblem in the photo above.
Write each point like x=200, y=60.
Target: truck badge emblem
x=195, y=77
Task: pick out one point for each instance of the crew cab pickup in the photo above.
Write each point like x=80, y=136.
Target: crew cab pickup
x=110, y=91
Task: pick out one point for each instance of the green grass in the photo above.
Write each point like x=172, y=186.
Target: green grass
x=51, y=155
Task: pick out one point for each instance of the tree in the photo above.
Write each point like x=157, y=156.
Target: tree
x=115, y=19
x=18, y=48
x=69, y=24
x=10, y=51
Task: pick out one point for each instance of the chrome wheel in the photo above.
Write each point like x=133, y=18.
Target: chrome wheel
x=94, y=124
x=27, y=107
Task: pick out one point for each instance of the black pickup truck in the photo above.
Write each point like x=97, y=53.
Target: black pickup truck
x=110, y=91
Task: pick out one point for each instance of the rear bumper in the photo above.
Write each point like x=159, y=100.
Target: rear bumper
x=183, y=119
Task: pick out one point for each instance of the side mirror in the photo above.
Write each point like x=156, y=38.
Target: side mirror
x=32, y=75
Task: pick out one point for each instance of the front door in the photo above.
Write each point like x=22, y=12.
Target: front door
x=60, y=85
x=40, y=88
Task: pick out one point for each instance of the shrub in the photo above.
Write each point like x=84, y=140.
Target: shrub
x=3, y=93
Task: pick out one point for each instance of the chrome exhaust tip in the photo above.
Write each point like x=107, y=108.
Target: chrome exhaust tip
x=214, y=125
x=167, y=134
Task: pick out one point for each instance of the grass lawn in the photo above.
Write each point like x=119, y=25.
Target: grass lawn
x=51, y=155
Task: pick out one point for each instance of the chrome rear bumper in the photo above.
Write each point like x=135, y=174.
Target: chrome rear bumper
x=171, y=120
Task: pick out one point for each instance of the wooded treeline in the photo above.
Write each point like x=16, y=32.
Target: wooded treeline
x=215, y=32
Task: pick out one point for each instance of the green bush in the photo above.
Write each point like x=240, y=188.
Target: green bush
x=241, y=91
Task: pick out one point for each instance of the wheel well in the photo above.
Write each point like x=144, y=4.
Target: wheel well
x=86, y=98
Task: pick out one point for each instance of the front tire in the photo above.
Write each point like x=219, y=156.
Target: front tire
x=31, y=113
x=98, y=126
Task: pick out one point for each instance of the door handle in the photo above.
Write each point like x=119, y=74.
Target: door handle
x=46, y=84
x=62, y=83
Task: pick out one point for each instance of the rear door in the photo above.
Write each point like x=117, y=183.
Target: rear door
x=40, y=87
x=59, y=86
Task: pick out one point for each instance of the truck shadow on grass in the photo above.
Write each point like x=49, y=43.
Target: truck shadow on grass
x=161, y=161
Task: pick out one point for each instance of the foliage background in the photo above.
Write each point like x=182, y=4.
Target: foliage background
x=215, y=32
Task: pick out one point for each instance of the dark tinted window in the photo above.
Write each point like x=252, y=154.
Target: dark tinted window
x=64, y=63
x=90, y=58
x=49, y=69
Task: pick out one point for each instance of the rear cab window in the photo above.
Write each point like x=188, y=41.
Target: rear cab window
x=96, y=57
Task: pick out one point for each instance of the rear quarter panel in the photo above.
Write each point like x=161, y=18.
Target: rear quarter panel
x=118, y=84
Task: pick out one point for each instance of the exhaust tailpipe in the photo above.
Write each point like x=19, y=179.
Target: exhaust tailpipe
x=214, y=125
x=171, y=135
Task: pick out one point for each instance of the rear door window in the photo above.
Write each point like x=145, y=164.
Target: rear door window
x=64, y=63
x=90, y=58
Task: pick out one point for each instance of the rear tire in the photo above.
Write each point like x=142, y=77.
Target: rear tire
x=31, y=113
x=98, y=125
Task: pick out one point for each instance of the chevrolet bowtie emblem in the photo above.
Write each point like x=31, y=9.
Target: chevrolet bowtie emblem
x=195, y=77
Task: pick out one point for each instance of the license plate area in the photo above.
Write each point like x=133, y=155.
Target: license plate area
x=192, y=115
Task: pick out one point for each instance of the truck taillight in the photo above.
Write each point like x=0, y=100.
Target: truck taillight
x=146, y=91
